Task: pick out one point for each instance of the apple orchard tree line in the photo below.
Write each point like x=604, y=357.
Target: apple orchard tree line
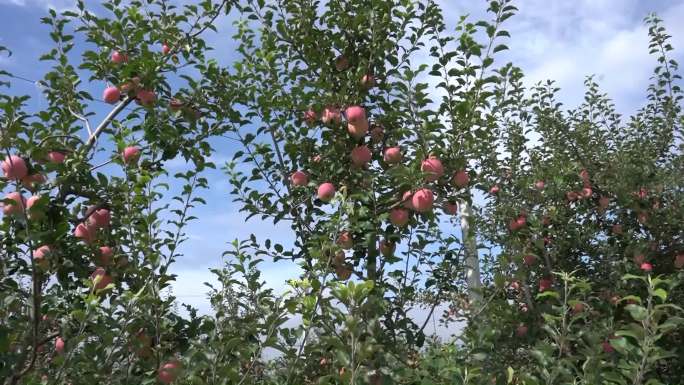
x=414, y=171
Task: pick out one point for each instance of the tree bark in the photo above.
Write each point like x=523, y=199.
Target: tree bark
x=472, y=261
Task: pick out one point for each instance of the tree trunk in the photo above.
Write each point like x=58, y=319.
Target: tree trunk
x=472, y=261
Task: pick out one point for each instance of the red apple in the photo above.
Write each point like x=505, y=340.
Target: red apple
x=59, y=345
x=146, y=98
x=169, y=371
x=642, y=217
x=131, y=154
x=368, y=81
x=539, y=185
x=451, y=208
x=422, y=200
x=604, y=201
x=361, y=155
x=84, y=233
x=118, y=57
x=100, y=278
x=356, y=114
x=529, y=259
x=41, y=256
x=387, y=248
x=433, y=168
x=647, y=267
x=14, y=167
x=584, y=174
x=331, y=114
x=377, y=133
x=17, y=205
x=521, y=330
x=341, y=63
x=310, y=117
x=406, y=200
x=326, y=192
x=642, y=193
x=165, y=49
x=494, y=189
x=345, y=241
x=607, y=347
x=105, y=255
x=343, y=271
x=617, y=229
x=111, y=95
x=36, y=213
x=299, y=178
x=461, y=178
x=578, y=308
x=515, y=285
x=56, y=157
x=545, y=284
x=586, y=192
x=131, y=86
x=176, y=104
x=99, y=219
x=571, y=196
x=399, y=217
x=392, y=155
x=358, y=130
x=31, y=182
x=517, y=223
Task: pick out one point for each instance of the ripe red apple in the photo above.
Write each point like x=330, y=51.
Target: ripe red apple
x=368, y=81
x=41, y=255
x=377, y=133
x=100, y=218
x=461, y=178
x=529, y=259
x=517, y=223
x=16, y=206
x=642, y=193
x=584, y=174
x=326, y=192
x=84, y=233
x=310, y=117
x=494, y=189
x=341, y=63
x=59, y=345
x=433, y=168
x=422, y=200
x=317, y=159
x=56, y=157
x=647, y=267
x=358, y=130
x=545, y=284
x=578, y=308
x=607, y=347
x=345, y=241
x=539, y=185
x=14, y=167
x=131, y=154
x=146, y=98
x=131, y=86
x=361, y=155
x=642, y=217
x=521, y=330
x=299, y=178
x=399, y=217
x=387, y=248
x=331, y=114
x=100, y=278
x=571, y=196
x=406, y=199
x=392, y=155
x=169, y=371
x=105, y=255
x=165, y=49
x=111, y=95
x=34, y=213
x=586, y=192
x=118, y=57
x=515, y=285
x=176, y=104
x=679, y=261
x=451, y=208
x=31, y=182
x=356, y=114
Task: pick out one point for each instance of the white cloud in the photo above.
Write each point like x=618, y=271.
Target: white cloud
x=45, y=4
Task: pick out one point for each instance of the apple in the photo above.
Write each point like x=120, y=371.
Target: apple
x=146, y=98
x=341, y=63
x=165, y=49
x=517, y=223
x=545, y=284
x=118, y=57
x=176, y=104
x=377, y=133
x=17, y=205
x=604, y=201
x=422, y=200
x=586, y=192
x=98, y=219
x=130, y=87
x=679, y=261
x=56, y=157
x=571, y=196
x=406, y=200
x=361, y=155
x=387, y=248
x=310, y=117
x=399, y=217
x=515, y=285
x=100, y=278
x=521, y=330
x=36, y=213
x=326, y=192
x=359, y=130
x=331, y=114
x=529, y=259
x=461, y=178
x=105, y=255
x=368, y=81
x=494, y=189
x=584, y=174
x=546, y=220
x=539, y=185
x=607, y=347
x=168, y=371
x=345, y=241
x=84, y=233
x=111, y=95
x=432, y=166
x=642, y=217
x=142, y=344
x=642, y=193
x=647, y=267
x=339, y=258
x=617, y=229
x=59, y=345
x=31, y=182
x=343, y=271
x=451, y=208
x=131, y=154
x=317, y=159
x=14, y=167
x=41, y=255
x=578, y=308
x=356, y=114
x=392, y=155
x=299, y=179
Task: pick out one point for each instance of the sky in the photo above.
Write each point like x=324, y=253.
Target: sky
x=551, y=39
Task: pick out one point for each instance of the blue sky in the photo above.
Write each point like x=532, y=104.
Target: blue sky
x=551, y=39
